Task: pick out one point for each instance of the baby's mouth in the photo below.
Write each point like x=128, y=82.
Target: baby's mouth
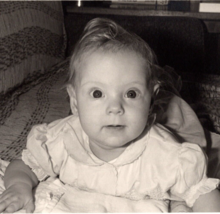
x=116, y=127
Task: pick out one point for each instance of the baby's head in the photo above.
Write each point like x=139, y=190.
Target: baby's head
x=111, y=83
x=105, y=36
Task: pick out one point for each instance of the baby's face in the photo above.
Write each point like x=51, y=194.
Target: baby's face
x=112, y=98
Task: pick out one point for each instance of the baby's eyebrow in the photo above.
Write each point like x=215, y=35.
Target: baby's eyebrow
x=137, y=82
x=92, y=83
x=129, y=84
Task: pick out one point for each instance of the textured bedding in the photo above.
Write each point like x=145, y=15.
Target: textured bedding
x=42, y=100
x=202, y=92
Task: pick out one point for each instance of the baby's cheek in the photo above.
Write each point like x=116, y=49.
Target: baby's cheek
x=141, y=115
x=89, y=122
x=139, y=125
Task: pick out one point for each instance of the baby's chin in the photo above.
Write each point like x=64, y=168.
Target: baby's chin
x=113, y=137
x=114, y=142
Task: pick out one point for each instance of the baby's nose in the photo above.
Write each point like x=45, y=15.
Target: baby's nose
x=115, y=107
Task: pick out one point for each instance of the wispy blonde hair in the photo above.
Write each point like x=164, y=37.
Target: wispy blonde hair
x=106, y=35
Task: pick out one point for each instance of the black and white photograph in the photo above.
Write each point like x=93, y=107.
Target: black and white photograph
x=110, y=106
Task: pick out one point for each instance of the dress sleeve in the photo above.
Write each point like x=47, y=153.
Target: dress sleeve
x=44, y=150
x=191, y=179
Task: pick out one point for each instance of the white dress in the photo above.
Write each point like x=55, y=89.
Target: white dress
x=154, y=167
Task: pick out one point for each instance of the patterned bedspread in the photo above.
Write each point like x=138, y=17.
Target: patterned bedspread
x=40, y=101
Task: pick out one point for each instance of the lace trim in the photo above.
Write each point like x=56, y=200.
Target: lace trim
x=32, y=163
x=205, y=186
x=48, y=195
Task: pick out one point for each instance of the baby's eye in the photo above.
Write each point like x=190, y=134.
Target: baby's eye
x=97, y=94
x=131, y=94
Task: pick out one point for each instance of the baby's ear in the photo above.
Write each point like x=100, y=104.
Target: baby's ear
x=73, y=101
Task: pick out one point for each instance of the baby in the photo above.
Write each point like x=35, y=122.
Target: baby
x=111, y=145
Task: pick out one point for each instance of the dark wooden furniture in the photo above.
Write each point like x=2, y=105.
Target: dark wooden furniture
x=186, y=40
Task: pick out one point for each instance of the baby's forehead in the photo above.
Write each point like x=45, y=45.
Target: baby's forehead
x=112, y=67
x=101, y=52
x=100, y=56
x=126, y=56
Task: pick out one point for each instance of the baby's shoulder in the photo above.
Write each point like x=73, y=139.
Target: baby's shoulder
x=60, y=139
x=167, y=143
x=60, y=125
x=55, y=132
x=163, y=135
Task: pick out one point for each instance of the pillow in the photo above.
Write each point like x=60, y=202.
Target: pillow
x=32, y=38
